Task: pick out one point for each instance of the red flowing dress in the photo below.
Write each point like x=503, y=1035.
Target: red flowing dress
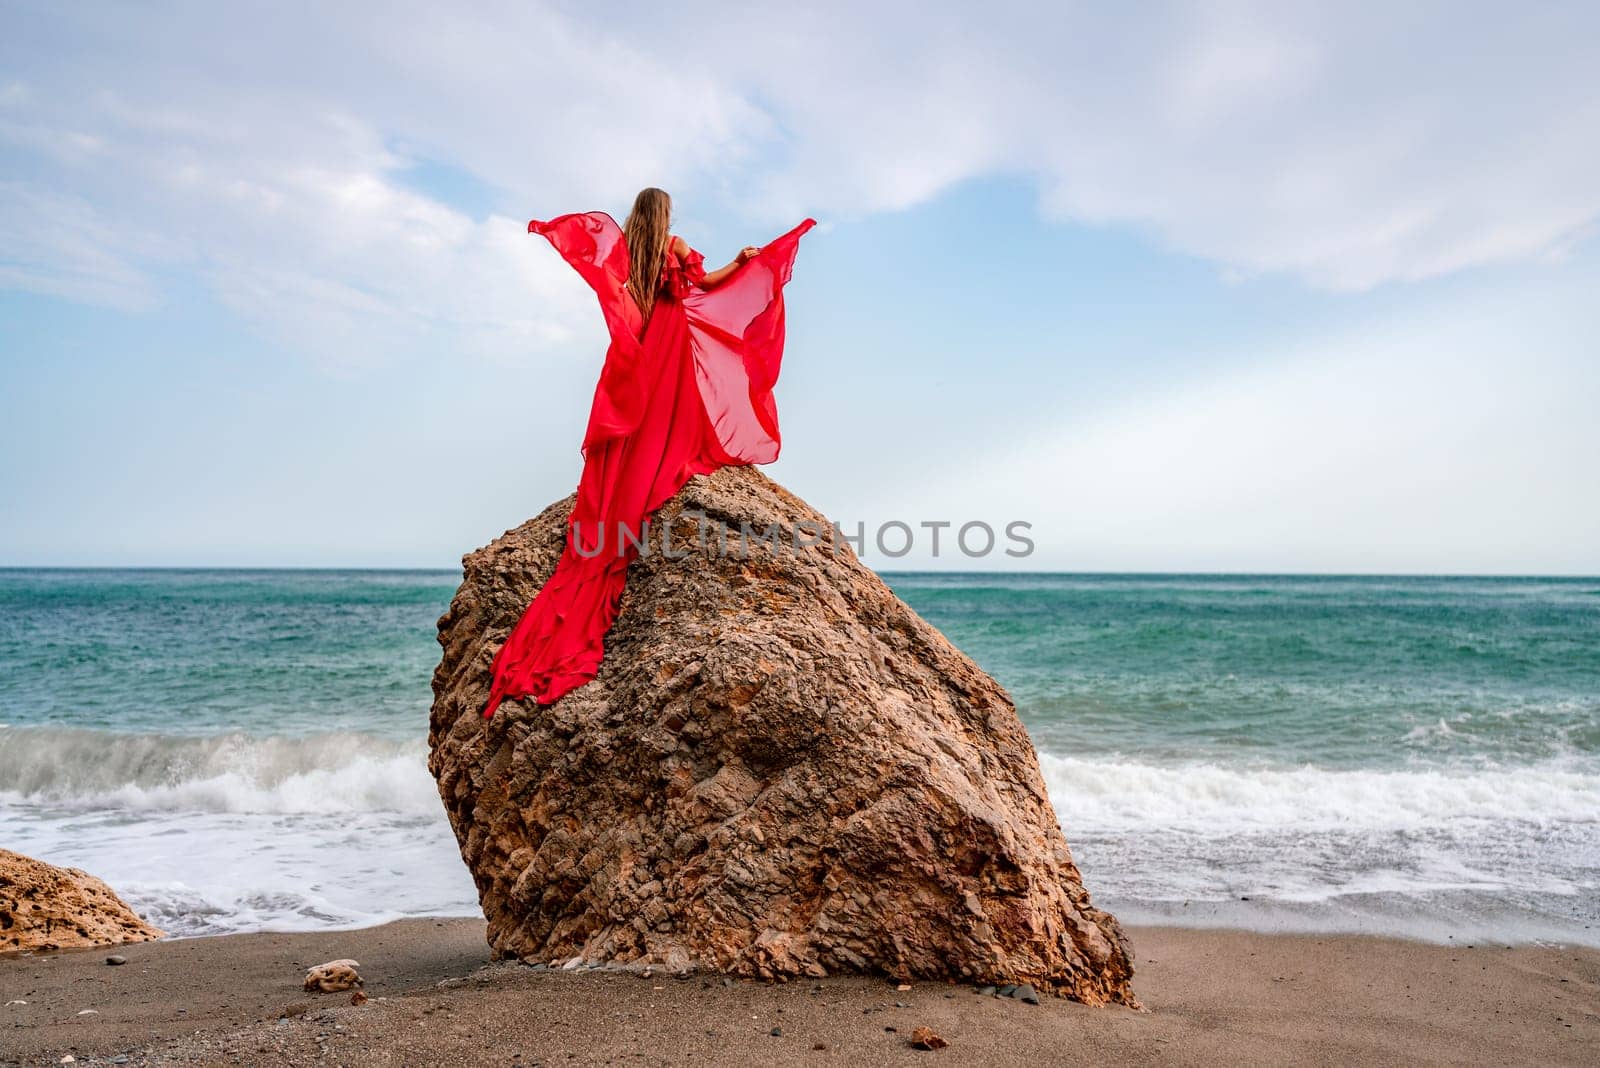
x=684, y=394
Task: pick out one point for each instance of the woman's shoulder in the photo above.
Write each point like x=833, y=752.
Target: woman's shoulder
x=681, y=266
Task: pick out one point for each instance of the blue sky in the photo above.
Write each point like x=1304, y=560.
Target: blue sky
x=1201, y=287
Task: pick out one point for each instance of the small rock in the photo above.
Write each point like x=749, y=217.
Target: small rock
x=903, y=986
x=1026, y=993
x=901, y=1005
x=67, y=1058
x=776, y=1032
x=334, y=976
x=115, y=959
x=358, y=998
x=819, y=1045
x=927, y=1038
x=88, y=1012
x=121, y=1058
x=1007, y=990
x=986, y=990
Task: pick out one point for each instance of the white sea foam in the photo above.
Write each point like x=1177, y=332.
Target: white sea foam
x=216, y=873
x=1434, y=853
x=225, y=833
x=1107, y=794
x=236, y=833
x=212, y=835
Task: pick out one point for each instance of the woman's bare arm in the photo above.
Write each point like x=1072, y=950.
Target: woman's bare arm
x=715, y=278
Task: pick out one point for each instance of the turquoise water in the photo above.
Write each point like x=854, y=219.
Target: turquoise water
x=1341, y=672
x=196, y=652
x=244, y=749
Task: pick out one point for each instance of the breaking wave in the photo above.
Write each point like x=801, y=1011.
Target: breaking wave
x=221, y=773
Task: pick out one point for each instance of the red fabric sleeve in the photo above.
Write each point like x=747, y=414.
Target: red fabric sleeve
x=596, y=248
x=694, y=267
x=594, y=245
x=680, y=274
x=736, y=330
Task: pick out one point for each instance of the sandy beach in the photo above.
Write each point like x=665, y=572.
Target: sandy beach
x=1212, y=997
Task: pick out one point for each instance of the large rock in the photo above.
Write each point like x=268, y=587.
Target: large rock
x=781, y=770
x=45, y=907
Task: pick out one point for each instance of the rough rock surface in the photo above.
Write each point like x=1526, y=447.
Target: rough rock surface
x=781, y=770
x=45, y=907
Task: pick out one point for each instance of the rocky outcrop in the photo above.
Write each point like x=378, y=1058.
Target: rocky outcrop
x=781, y=770
x=45, y=907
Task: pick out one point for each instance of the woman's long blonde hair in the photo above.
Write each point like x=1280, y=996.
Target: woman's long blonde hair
x=646, y=231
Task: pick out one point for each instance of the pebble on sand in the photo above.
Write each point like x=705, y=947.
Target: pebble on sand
x=334, y=976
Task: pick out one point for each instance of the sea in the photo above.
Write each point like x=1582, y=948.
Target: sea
x=1420, y=757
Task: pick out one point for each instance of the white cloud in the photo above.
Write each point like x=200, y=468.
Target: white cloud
x=1344, y=145
x=63, y=246
x=297, y=218
x=258, y=145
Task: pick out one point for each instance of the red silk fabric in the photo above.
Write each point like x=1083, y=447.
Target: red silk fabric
x=688, y=393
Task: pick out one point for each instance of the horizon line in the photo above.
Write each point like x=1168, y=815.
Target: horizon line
x=1574, y=575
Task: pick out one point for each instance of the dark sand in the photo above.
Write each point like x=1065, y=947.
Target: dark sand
x=1214, y=997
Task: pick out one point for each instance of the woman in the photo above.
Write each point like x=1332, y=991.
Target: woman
x=686, y=389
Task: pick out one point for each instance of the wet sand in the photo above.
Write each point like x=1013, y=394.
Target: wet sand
x=1212, y=997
